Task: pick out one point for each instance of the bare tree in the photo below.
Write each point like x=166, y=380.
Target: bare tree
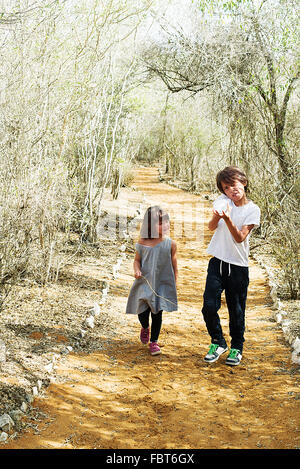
x=251, y=56
x=63, y=86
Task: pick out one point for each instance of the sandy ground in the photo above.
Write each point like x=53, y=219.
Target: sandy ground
x=122, y=398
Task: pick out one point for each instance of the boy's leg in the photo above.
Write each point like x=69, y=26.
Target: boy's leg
x=155, y=326
x=236, y=294
x=212, y=302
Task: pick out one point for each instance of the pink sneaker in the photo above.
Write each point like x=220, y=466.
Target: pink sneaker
x=154, y=348
x=144, y=335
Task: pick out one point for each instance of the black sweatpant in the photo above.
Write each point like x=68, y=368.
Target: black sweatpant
x=155, y=325
x=234, y=280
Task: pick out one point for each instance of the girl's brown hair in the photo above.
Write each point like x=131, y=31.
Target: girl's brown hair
x=153, y=216
x=229, y=175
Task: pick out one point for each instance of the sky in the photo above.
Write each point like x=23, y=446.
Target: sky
x=174, y=12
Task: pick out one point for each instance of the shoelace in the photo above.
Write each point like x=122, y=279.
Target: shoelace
x=213, y=348
x=154, y=345
x=233, y=353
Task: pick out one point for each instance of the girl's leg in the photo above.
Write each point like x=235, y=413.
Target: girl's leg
x=144, y=318
x=236, y=295
x=155, y=326
x=212, y=302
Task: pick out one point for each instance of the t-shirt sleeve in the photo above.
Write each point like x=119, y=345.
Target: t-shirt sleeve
x=253, y=217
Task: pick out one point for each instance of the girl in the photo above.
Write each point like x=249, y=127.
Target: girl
x=155, y=270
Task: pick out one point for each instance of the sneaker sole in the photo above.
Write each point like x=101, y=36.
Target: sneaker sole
x=215, y=359
x=232, y=364
x=155, y=353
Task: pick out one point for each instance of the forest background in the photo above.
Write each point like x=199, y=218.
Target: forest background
x=89, y=89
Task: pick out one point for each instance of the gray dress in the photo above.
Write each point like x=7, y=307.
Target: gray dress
x=156, y=267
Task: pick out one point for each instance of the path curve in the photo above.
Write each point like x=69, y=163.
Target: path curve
x=122, y=398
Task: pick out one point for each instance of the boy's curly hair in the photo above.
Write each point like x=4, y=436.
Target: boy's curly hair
x=229, y=175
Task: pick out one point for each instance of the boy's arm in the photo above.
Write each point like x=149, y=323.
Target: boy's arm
x=137, y=265
x=238, y=235
x=174, y=259
x=213, y=222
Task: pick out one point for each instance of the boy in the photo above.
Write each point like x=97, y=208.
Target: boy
x=234, y=216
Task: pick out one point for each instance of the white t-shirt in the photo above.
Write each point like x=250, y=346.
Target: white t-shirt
x=222, y=245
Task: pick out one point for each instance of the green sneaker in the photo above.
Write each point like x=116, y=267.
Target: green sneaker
x=234, y=357
x=215, y=350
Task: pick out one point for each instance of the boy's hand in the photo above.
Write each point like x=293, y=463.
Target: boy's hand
x=213, y=223
x=217, y=214
x=226, y=214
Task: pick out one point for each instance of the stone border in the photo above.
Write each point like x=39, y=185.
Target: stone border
x=9, y=420
x=280, y=315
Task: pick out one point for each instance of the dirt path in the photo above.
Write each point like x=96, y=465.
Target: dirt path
x=122, y=398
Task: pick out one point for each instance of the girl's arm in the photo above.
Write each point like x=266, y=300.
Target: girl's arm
x=137, y=266
x=174, y=259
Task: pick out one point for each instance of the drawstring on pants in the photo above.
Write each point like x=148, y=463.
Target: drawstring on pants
x=229, y=269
